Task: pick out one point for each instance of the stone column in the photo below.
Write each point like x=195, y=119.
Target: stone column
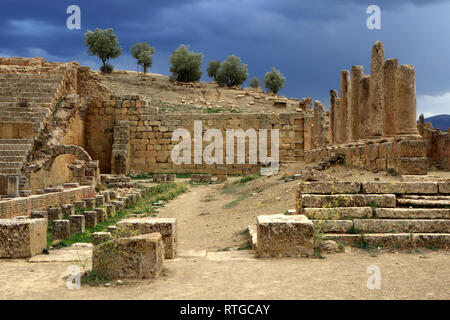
x=12, y=188
x=337, y=110
x=421, y=124
x=364, y=107
x=306, y=105
x=357, y=74
x=316, y=125
x=345, y=103
x=390, y=126
x=377, y=105
x=406, y=100
x=332, y=129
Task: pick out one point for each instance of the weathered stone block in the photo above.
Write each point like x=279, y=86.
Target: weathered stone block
x=403, y=226
x=54, y=214
x=400, y=187
x=39, y=215
x=110, y=210
x=167, y=227
x=348, y=200
x=99, y=200
x=60, y=229
x=22, y=238
x=138, y=257
x=90, y=218
x=426, y=240
x=68, y=210
x=319, y=187
x=90, y=203
x=100, y=237
x=102, y=215
x=412, y=213
x=284, y=236
x=412, y=166
x=338, y=213
x=333, y=226
x=412, y=148
x=444, y=187
x=77, y=223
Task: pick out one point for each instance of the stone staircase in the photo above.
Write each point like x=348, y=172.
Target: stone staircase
x=378, y=214
x=26, y=102
x=13, y=155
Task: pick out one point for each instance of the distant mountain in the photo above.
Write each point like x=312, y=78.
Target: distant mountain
x=441, y=122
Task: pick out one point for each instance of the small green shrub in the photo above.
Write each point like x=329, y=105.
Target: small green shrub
x=213, y=67
x=232, y=72
x=274, y=80
x=255, y=83
x=186, y=65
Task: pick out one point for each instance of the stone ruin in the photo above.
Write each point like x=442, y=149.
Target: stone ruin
x=62, y=134
x=373, y=121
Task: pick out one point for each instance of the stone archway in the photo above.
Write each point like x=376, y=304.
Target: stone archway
x=56, y=151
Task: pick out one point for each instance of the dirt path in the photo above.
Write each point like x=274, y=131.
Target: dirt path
x=340, y=276
x=203, y=222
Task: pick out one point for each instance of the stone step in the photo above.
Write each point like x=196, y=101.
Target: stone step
x=402, y=225
x=417, y=197
x=14, y=147
x=338, y=213
x=348, y=200
x=11, y=165
x=14, y=153
x=400, y=187
x=393, y=240
x=412, y=213
x=12, y=159
x=10, y=171
x=334, y=226
x=319, y=187
x=16, y=141
x=423, y=203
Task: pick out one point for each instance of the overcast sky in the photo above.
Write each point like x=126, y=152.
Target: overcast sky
x=309, y=41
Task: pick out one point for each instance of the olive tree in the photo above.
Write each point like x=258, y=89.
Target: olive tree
x=143, y=53
x=255, y=83
x=274, y=80
x=186, y=65
x=104, y=44
x=232, y=72
x=213, y=67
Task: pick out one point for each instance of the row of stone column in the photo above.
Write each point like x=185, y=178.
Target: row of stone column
x=316, y=124
x=380, y=104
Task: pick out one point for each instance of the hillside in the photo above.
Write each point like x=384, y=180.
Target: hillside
x=441, y=122
x=198, y=97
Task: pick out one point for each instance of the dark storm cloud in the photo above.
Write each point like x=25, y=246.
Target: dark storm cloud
x=309, y=41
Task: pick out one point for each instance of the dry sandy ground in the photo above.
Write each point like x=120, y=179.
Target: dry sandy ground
x=212, y=228
x=185, y=99
x=339, y=276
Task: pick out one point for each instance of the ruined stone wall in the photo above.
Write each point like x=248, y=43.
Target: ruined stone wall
x=437, y=145
x=151, y=132
x=59, y=173
x=374, y=114
x=24, y=206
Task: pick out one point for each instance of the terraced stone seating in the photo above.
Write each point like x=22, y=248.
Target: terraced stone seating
x=403, y=214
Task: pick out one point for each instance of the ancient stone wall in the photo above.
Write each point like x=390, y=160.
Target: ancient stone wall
x=373, y=122
x=437, y=144
x=150, y=135
x=24, y=206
